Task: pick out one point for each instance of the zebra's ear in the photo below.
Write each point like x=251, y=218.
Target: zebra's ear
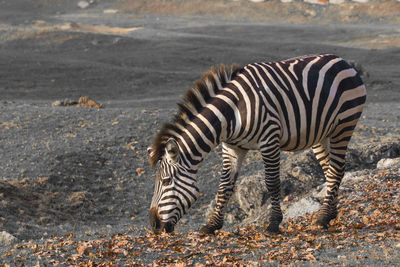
x=172, y=149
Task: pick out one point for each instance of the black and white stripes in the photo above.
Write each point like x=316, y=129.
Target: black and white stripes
x=310, y=101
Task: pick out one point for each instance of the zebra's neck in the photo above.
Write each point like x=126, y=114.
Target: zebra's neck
x=199, y=125
x=204, y=132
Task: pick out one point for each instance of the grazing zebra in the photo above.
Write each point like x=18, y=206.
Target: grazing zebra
x=310, y=101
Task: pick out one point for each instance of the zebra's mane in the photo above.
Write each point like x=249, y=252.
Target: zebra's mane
x=192, y=103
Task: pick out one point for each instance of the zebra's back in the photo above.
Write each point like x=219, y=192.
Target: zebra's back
x=307, y=97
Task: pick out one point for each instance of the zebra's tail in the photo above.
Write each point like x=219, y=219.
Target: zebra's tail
x=359, y=68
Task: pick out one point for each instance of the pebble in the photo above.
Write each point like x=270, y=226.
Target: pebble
x=83, y=4
x=6, y=239
x=110, y=11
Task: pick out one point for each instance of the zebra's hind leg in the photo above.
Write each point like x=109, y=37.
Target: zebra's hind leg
x=334, y=152
x=321, y=152
x=232, y=160
x=271, y=158
x=329, y=210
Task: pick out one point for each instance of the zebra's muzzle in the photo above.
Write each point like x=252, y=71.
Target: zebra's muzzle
x=157, y=225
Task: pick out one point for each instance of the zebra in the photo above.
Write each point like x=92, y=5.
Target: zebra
x=311, y=101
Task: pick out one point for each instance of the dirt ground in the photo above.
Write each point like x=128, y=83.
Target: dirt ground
x=84, y=171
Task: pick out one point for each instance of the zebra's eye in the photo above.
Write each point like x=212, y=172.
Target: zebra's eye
x=166, y=181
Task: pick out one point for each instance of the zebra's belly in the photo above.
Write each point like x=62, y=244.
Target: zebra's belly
x=302, y=140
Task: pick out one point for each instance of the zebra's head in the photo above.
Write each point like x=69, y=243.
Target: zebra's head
x=175, y=189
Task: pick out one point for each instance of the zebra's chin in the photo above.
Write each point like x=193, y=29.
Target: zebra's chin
x=168, y=227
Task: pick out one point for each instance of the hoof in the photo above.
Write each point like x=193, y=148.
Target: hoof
x=323, y=221
x=208, y=230
x=273, y=228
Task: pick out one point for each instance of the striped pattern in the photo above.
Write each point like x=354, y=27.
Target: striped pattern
x=311, y=101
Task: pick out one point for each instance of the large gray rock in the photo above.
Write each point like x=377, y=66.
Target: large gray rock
x=305, y=168
x=251, y=193
x=302, y=207
x=369, y=155
x=249, y=196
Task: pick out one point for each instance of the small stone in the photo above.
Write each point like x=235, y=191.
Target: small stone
x=336, y=2
x=83, y=4
x=257, y=1
x=7, y=239
x=286, y=1
x=361, y=1
x=110, y=11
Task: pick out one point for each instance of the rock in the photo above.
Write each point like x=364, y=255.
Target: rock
x=83, y=4
x=336, y=2
x=303, y=206
x=110, y=11
x=299, y=173
x=388, y=163
x=320, y=192
x=304, y=167
x=251, y=193
x=368, y=156
x=7, y=239
x=249, y=196
x=65, y=102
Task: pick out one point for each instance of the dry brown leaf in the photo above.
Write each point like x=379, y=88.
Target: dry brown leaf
x=139, y=171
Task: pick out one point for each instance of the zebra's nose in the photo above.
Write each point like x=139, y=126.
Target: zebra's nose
x=155, y=220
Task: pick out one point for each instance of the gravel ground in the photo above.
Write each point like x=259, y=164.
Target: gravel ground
x=70, y=175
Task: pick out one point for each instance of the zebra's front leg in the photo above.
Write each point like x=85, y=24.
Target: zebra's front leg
x=232, y=161
x=271, y=158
